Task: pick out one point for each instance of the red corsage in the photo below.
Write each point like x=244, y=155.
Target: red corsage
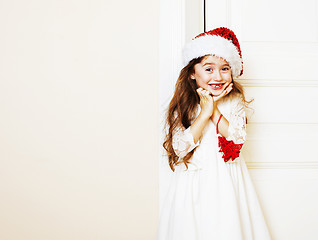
x=229, y=149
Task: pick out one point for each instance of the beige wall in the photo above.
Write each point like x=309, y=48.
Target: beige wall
x=79, y=128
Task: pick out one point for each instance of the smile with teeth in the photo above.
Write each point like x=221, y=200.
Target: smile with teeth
x=217, y=86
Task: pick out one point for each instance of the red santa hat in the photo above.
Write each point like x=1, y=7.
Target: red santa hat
x=220, y=42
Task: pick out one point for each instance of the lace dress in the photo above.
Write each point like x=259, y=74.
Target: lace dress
x=213, y=199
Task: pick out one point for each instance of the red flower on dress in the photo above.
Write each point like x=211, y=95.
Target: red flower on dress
x=229, y=149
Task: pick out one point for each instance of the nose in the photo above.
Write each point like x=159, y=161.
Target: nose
x=217, y=76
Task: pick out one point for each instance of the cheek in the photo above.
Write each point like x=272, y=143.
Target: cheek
x=201, y=83
x=228, y=78
x=202, y=80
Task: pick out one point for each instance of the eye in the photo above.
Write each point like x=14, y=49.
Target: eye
x=209, y=69
x=225, y=69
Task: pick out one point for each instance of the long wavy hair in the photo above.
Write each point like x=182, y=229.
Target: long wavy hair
x=182, y=109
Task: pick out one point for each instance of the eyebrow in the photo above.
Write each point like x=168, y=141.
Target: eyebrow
x=209, y=63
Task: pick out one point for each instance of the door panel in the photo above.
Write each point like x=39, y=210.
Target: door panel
x=280, y=53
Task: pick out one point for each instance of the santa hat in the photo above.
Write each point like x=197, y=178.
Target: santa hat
x=221, y=42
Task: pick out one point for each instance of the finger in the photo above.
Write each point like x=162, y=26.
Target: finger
x=200, y=95
x=199, y=91
x=203, y=95
x=220, y=96
x=216, y=98
x=202, y=91
x=226, y=90
x=227, y=84
x=229, y=87
x=208, y=94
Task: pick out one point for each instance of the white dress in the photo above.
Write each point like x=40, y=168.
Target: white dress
x=213, y=199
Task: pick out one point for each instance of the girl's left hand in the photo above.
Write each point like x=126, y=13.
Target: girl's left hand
x=225, y=91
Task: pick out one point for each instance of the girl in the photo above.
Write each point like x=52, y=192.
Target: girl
x=211, y=195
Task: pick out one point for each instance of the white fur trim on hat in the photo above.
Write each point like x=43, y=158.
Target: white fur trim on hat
x=213, y=45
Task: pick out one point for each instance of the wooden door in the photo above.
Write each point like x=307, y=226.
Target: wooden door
x=280, y=53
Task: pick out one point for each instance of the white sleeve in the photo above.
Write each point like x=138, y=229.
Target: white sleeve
x=237, y=123
x=183, y=142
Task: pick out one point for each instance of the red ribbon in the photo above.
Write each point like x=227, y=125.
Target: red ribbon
x=229, y=149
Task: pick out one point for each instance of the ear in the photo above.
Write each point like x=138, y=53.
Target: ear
x=192, y=77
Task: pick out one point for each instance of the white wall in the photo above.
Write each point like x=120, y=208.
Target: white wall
x=79, y=119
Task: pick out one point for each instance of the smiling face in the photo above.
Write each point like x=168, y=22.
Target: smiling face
x=212, y=74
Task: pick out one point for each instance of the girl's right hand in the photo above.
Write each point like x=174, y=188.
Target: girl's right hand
x=206, y=102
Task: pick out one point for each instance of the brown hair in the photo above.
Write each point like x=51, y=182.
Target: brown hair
x=184, y=105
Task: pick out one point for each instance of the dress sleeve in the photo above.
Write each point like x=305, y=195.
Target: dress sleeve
x=237, y=124
x=183, y=142
x=230, y=147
